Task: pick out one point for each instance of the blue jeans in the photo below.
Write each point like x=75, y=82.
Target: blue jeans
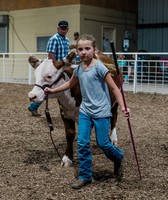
x=85, y=126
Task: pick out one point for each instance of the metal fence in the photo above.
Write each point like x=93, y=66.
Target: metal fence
x=14, y=67
x=143, y=72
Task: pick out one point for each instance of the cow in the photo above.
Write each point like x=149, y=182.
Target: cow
x=54, y=73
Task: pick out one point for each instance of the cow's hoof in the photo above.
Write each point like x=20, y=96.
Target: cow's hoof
x=115, y=143
x=113, y=137
x=66, y=162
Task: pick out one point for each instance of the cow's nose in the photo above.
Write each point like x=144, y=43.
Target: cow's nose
x=32, y=98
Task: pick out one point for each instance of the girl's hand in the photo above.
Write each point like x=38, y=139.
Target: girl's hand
x=126, y=112
x=48, y=90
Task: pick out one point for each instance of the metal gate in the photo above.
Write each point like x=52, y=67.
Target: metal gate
x=143, y=72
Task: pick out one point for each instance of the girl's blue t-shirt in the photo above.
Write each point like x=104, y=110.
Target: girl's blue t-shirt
x=95, y=94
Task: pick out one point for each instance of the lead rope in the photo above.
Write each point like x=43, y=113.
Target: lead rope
x=50, y=125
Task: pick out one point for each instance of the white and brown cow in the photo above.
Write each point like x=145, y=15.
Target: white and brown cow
x=46, y=73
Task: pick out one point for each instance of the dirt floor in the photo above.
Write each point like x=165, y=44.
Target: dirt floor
x=30, y=168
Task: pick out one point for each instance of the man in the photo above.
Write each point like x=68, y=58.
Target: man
x=58, y=44
x=57, y=48
x=72, y=45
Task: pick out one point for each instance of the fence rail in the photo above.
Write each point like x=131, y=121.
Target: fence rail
x=143, y=72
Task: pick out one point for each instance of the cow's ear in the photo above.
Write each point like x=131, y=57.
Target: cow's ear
x=34, y=62
x=71, y=56
x=58, y=64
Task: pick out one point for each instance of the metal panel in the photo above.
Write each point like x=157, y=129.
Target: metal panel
x=153, y=25
x=153, y=39
x=152, y=11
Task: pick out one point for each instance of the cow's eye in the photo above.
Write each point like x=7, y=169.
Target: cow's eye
x=49, y=77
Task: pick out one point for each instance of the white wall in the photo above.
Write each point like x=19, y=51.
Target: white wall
x=29, y=24
x=26, y=25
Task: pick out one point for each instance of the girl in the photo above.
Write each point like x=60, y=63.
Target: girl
x=95, y=109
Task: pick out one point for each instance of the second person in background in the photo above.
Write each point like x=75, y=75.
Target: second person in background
x=72, y=46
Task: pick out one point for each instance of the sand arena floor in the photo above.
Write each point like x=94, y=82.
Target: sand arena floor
x=30, y=168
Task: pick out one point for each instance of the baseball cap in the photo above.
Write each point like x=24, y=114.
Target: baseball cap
x=63, y=24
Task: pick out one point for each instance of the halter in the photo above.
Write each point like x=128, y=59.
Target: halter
x=62, y=75
x=47, y=113
x=50, y=125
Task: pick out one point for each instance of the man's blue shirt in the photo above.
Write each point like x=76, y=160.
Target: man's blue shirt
x=59, y=45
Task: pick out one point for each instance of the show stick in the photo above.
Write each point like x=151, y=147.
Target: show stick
x=122, y=92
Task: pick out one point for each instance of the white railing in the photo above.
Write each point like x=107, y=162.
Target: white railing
x=143, y=72
x=14, y=67
x=146, y=72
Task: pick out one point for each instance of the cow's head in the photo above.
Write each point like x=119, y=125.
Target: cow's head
x=46, y=73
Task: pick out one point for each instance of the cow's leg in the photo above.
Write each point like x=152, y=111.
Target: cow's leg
x=70, y=136
x=113, y=133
